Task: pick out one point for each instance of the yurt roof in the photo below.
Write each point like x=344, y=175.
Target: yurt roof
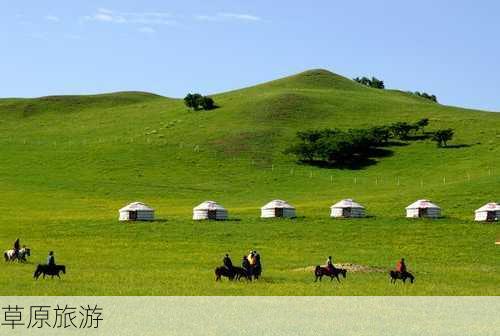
x=135, y=206
x=278, y=204
x=423, y=204
x=209, y=205
x=347, y=203
x=489, y=207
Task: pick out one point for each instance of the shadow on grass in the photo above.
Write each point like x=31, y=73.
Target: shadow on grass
x=457, y=146
x=356, y=163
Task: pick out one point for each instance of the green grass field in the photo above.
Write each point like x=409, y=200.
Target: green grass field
x=70, y=162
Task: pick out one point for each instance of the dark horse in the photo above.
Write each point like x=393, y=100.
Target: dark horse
x=223, y=272
x=395, y=275
x=235, y=273
x=240, y=272
x=49, y=270
x=319, y=272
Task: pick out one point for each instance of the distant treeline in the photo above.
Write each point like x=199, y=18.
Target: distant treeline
x=379, y=84
x=373, y=82
x=425, y=95
x=339, y=146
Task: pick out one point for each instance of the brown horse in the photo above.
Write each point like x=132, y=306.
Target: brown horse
x=395, y=275
x=319, y=272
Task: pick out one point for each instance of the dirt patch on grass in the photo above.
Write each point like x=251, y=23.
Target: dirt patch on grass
x=354, y=268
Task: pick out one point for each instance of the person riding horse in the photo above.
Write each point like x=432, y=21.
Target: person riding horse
x=51, y=262
x=245, y=264
x=16, y=248
x=329, y=263
x=227, y=262
x=401, y=266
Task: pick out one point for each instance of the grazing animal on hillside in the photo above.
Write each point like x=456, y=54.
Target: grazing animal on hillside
x=10, y=255
x=319, y=272
x=223, y=272
x=49, y=270
x=395, y=275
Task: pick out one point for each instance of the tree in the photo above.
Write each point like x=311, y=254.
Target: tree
x=189, y=101
x=443, y=136
x=207, y=103
x=193, y=100
x=196, y=102
x=401, y=130
x=422, y=123
x=373, y=82
x=377, y=84
x=425, y=95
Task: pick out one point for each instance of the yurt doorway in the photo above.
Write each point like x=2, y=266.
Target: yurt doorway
x=346, y=212
x=278, y=212
x=490, y=216
x=212, y=214
x=132, y=215
x=422, y=212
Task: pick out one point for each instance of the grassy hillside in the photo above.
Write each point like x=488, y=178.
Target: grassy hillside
x=70, y=162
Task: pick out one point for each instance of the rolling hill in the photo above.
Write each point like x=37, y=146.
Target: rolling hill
x=70, y=162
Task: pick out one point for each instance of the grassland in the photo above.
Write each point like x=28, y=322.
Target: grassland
x=69, y=162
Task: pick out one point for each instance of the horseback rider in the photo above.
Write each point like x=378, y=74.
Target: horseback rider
x=51, y=262
x=245, y=264
x=251, y=258
x=401, y=266
x=329, y=263
x=227, y=262
x=16, y=248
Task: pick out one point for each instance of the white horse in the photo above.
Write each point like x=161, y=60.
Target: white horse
x=10, y=255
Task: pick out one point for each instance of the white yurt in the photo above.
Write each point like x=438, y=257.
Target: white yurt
x=277, y=208
x=488, y=213
x=209, y=210
x=423, y=209
x=347, y=208
x=136, y=211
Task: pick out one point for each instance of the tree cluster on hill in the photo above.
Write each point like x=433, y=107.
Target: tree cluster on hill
x=441, y=137
x=425, y=95
x=373, y=82
x=198, y=102
x=341, y=147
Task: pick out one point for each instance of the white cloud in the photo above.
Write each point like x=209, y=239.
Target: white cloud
x=147, y=30
x=143, y=18
x=246, y=17
x=227, y=16
x=52, y=18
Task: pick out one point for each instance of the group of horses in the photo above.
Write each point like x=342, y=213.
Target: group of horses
x=334, y=273
x=237, y=273
x=41, y=270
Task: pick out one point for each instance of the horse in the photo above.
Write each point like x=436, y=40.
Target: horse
x=223, y=271
x=240, y=272
x=49, y=270
x=10, y=255
x=395, y=275
x=319, y=272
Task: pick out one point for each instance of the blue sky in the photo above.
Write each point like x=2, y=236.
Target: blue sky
x=449, y=48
